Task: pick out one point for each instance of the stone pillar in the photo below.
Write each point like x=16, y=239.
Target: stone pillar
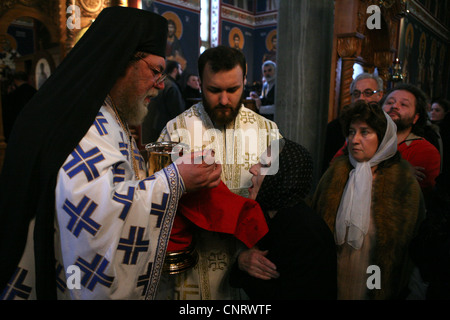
x=305, y=41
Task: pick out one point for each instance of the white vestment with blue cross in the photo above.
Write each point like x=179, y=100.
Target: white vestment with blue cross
x=111, y=228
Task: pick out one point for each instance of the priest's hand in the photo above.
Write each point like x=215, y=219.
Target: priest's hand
x=255, y=263
x=199, y=170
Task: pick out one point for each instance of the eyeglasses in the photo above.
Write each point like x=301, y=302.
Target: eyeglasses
x=159, y=76
x=367, y=93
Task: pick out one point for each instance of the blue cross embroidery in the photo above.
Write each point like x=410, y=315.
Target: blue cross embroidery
x=93, y=272
x=84, y=162
x=159, y=209
x=60, y=281
x=133, y=245
x=123, y=147
x=15, y=287
x=144, y=279
x=126, y=200
x=99, y=123
x=80, y=216
x=118, y=173
x=138, y=156
x=141, y=183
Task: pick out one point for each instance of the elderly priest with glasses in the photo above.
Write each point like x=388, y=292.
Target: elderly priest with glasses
x=75, y=200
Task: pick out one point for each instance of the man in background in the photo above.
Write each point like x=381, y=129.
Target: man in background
x=266, y=102
x=167, y=105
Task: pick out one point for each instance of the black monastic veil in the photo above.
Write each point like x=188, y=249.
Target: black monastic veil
x=53, y=123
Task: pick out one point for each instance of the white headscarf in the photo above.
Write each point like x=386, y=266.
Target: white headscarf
x=354, y=209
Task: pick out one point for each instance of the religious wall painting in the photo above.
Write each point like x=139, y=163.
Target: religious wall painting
x=421, y=78
x=424, y=56
x=265, y=42
x=8, y=52
x=236, y=39
x=409, y=42
x=432, y=65
x=241, y=37
x=92, y=5
x=43, y=66
x=183, y=41
x=174, y=35
x=440, y=77
x=271, y=46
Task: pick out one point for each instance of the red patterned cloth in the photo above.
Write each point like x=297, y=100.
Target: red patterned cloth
x=218, y=210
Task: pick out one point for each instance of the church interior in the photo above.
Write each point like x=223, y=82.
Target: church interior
x=319, y=46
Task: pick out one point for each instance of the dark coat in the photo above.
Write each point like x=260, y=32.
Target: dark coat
x=168, y=104
x=302, y=247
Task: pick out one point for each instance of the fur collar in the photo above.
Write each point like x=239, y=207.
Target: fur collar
x=398, y=208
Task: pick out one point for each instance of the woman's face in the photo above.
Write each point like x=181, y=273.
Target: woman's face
x=258, y=172
x=437, y=113
x=362, y=141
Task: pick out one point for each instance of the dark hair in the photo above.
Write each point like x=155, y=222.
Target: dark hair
x=421, y=105
x=170, y=21
x=221, y=58
x=370, y=113
x=445, y=104
x=170, y=65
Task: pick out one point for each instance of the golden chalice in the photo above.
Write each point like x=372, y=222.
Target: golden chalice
x=160, y=155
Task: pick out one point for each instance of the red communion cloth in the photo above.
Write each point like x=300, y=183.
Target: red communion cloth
x=219, y=210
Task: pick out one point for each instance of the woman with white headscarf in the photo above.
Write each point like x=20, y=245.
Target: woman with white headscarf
x=373, y=204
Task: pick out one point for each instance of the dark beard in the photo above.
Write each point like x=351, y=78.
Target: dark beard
x=403, y=124
x=217, y=116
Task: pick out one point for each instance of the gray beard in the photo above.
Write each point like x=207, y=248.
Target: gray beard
x=133, y=115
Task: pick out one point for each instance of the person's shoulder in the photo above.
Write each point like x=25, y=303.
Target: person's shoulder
x=338, y=169
x=400, y=176
x=193, y=111
x=246, y=112
x=170, y=84
x=401, y=165
x=423, y=145
x=341, y=161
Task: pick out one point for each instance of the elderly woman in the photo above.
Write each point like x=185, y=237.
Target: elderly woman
x=297, y=257
x=373, y=204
